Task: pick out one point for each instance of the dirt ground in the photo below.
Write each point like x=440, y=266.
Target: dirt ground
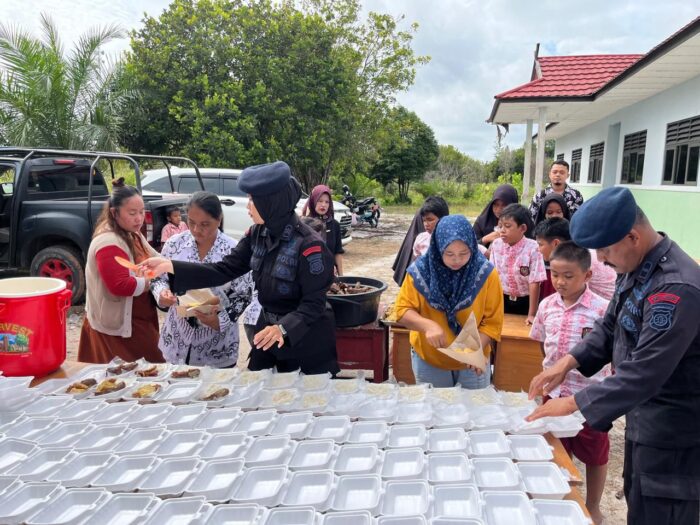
x=371, y=254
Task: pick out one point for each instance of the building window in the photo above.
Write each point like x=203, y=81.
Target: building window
x=633, y=158
x=576, y=165
x=595, y=164
x=682, y=152
x=560, y=156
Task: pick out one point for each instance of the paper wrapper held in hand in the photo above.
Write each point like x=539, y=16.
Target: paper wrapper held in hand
x=466, y=348
x=202, y=300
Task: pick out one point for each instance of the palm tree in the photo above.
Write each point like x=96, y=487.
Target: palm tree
x=52, y=99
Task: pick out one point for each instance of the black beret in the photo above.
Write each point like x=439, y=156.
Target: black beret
x=605, y=219
x=265, y=179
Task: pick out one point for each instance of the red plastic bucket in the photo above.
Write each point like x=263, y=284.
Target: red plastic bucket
x=32, y=325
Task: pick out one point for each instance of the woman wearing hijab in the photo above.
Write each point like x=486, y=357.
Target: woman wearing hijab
x=320, y=206
x=442, y=288
x=292, y=270
x=485, y=224
x=553, y=206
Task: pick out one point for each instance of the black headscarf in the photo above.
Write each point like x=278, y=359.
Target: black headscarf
x=487, y=221
x=405, y=255
x=278, y=209
x=552, y=197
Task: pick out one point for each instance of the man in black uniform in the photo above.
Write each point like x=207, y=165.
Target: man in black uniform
x=651, y=334
x=292, y=270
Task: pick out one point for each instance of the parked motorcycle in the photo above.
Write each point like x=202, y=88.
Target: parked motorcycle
x=366, y=210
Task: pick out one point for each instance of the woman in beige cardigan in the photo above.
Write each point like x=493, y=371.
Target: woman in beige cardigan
x=121, y=318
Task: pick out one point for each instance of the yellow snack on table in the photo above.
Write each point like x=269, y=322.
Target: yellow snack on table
x=466, y=348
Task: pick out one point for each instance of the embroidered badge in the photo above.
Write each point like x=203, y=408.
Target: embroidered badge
x=312, y=249
x=663, y=297
x=628, y=324
x=283, y=288
x=524, y=271
x=661, y=316
x=315, y=261
x=585, y=331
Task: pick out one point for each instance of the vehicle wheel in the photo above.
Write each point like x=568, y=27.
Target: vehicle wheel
x=61, y=262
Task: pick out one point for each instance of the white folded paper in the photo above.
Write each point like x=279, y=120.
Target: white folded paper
x=202, y=300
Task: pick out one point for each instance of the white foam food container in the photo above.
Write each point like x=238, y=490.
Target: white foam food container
x=47, y=405
x=270, y=450
x=221, y=446
x=218, y=420
x=345, y=386
x=147, y=399
x=357, y=459
x=129, y=381
x=357, y=517
x=313, y=455
x=250, y=377
x=102, y=438
x=162, y=371
x=31, y=428
x=381, y=390
x=9, y=484
x=126, y=474
x=16, y=398
x=559, y=512
x=517, y=400
x=170, y=477
x=13, y=451
x=355, y=492
x=283, y=399
x=317, y=401
x=181, y=443
x=348, y=405
x=406, y=436
x=380, y=408
x=83, y=469
x=518, y=425
x=65, y=434
x=446, y=396
x=456, y=521
x=148, y=416
x=403, y=463
x=414, y=413
x=11, y=383
x=7, y=419
x=207, y=389
x=295, y=424
x=196, y=371
x=141, y=441
x=530, y=448
x=82, y=410
x=449, y=467
x=406, y=498
x=456, y=501
x=282, y=380
x=414, y=393
x=258, y=423
x=490, y=418
x=564, y=426
x=178, y=511
x=508, y=507
x=481, y=397
x=40, y=465
x=495, y=473
x=215, y=480
x=235, y=514
x=447, y=440
x=297, y=516
x=261, y=485
x=124, y=509
x=114, y=413
x=221, y=375
x=313, y=382
x=489, y=443
x=401, y=520
x=309, y=488
x=184, y=417
x=51, y=386
x=336, y=428
x=70, y=508
x=22, y=503
x=454, y=415
x=178, y=393
x=543, y=480
x=368, y=432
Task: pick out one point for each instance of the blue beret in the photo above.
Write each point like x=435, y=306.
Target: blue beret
x=605, y=219
x=265, y=179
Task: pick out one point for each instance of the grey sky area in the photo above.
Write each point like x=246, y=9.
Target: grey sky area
x=478, y=49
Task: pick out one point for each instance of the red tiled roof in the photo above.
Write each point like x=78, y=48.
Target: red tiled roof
x=572, y=76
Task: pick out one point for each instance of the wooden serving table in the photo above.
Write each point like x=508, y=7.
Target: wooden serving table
x=561, y=458
x=518, y=358
x=364, y=347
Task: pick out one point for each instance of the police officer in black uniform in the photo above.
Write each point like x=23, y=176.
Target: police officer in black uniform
x=292, y=270
x=651, y=335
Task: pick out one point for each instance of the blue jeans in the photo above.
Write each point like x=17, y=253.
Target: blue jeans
x=441, y=378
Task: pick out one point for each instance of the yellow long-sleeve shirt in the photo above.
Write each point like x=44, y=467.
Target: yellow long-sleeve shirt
x=487, y=308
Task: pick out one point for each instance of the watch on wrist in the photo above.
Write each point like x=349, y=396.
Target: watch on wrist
x=282, y=330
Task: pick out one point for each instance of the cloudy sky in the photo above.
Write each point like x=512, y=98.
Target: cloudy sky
x=478, y=48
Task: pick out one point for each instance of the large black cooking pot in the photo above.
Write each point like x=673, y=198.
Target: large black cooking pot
x=360, y=308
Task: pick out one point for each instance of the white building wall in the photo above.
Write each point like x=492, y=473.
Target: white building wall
x=652, y=114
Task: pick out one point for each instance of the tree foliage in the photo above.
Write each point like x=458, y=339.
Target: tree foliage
x=52, y=98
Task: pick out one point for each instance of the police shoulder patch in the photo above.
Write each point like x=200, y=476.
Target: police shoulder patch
x=315, y=260
x=663, y=305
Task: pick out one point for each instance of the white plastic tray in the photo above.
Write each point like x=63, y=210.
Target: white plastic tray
x=297, y=516
x=257, y=423
x=406, y=498
x=313, y=455
x=406, y=436
x=17, y=397
x=171, y=477
x=184, y=417
x=403, y=463
x=114, y=413
x=357, y=493
x=357, y=517
x=357, y=459
x=141, y=441
x=9, y=484
x=271, y=450
x=449, y=467
x=222, y=446
x=82, y=410
x=124, y=509
x=530, y=448
x=42, y=464
x=512, y=508
x=65, y=434
x=295, y=424
x=22, y=503
x=336, y=428
x=495, y=473
x=216, y=479
x=182, y=391
x=219, y=420
x=47, y=406
x=149, y=416
x=117, y=394
x=261, y=485
x=126, y=474
x=14, y=451
x=129, y=394
x=559, y=512
x=162, y=369
x=81, y=470
x=197, y=371
x=564, y=427
x=310, y=488
x=447, y=440
x=178, y=511
x=181, y=443
x=71, y=507
x=368, y=432
x=456, y=501
x=543, y=480
x=489, y=443
x=456, y=521
x=235, y=514
x=30, y=429
x=102, y=438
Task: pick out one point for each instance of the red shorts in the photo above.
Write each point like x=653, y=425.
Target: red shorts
x=590, y=446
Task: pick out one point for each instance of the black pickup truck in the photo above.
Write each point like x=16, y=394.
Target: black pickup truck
x=49, y=203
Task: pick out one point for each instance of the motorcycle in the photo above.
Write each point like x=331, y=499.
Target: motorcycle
x=366, y=210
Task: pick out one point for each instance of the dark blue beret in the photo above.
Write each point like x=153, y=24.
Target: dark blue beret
x=605, y=219
x=265, y=179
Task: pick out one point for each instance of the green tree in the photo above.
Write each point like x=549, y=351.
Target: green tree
x=409, y=152
x=453, y=165
x=55, y=99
